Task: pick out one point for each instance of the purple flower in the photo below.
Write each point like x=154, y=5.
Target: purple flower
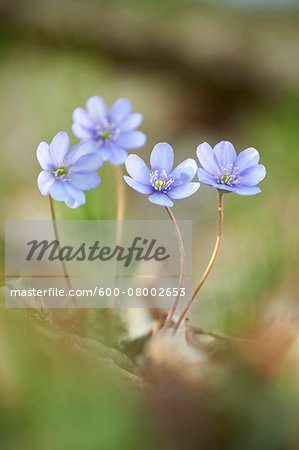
x=67, y=173
x=224, y=170
x=113, y=131
x=162, y=183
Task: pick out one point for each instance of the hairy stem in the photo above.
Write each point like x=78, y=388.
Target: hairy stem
x=120, y=218
x=120, y=197
x=182, y=256
x=210, y=265
x=53, y=216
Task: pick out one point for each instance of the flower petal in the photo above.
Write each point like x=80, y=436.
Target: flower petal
x=206, y=177
x=160, y=199
x=117, y=155
x=97, y=109
x=119, y=110
x=253, y=175
x=246, y=190
x=89, y=162
x=105, y=152
x=183, y=191
x=81, y=117
x=43, y=156
x=131, y=122
x=184, y=172
x=59, y=147
x=247, y=158
x=139, y=187
x=131, y=140
x=224, y=187
x=80, y=132
x=45, y=181
x=57, y=191
x=206, y=157
x=137, y=169
x=225, y=153
x=162, y=157
x=74, y=197
x=81, y=149
x=85, y=180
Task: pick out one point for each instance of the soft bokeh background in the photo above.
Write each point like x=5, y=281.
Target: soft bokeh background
x=198, y=71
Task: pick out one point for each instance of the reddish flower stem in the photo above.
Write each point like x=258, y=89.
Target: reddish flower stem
x=182, y=256
x=53, y=216
x=210, y=265
x=120, y=218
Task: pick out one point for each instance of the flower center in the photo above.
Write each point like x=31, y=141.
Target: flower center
x=228, y=175
x=106, y=134
x=160, y=184
x=60, y=171
x=160, y=181
x=227, y=178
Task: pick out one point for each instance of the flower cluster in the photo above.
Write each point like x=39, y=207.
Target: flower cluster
x=107, y=135
x=221, y=168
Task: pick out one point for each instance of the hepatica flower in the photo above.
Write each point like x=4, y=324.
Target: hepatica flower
x=161, y=183
x=113, y=131
x=67, y=173
x=224, y=170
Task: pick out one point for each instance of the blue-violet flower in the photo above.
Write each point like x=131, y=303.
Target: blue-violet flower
x=113, y=131
x=162, y=183
x=67, y=173
x=224, y=170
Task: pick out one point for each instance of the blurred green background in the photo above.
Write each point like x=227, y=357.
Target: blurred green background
x=198, y=71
